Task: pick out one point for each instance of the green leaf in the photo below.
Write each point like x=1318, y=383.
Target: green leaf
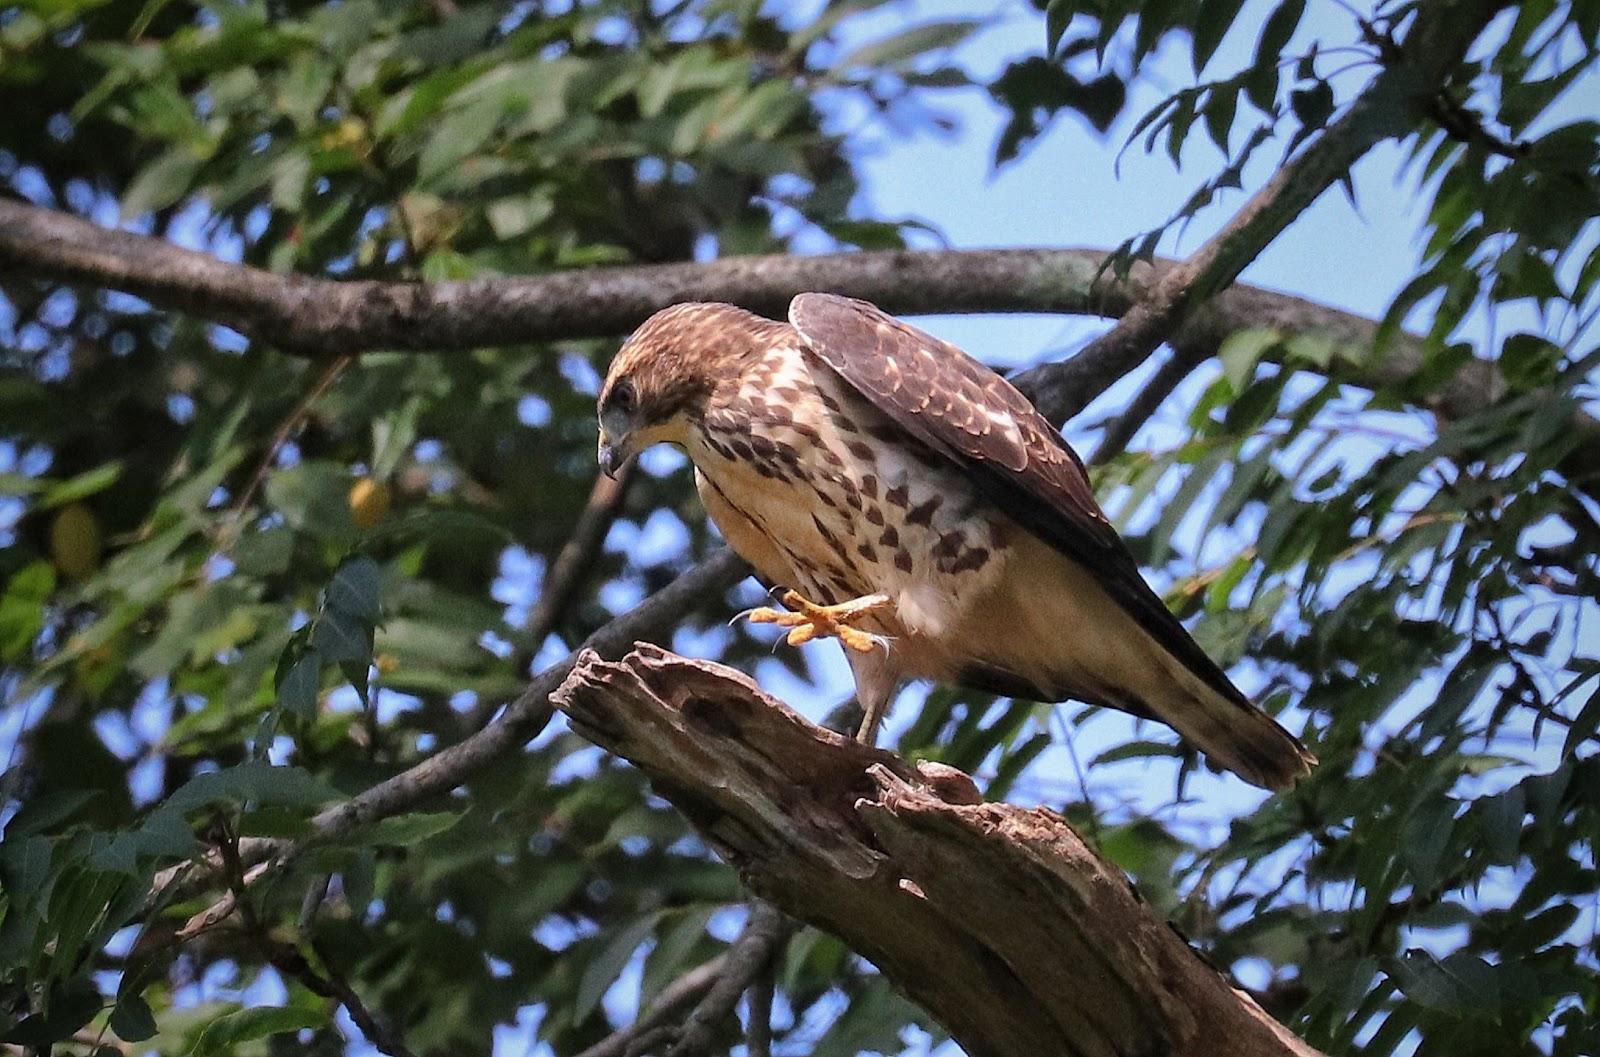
x=22, y=608
x=80, y=487
x=70, y=1005
x=1057, y=17
x=1211, y=24
x=254, y=781
x=340, y=637
x=413, y=828
x=223, y=1035
x=1462, y=985
x=1313, y=106
x=607, y=965
x=264, y=552
x=1584, y=724
x=680, y=935
x=314, y=497
x=1426, y=836
x=354, y=589
x=1137, y=750
x=25, y=866
x=456, y=135
x=299, y=686
x=1242, y=350
x=1222, y=103
x=872, y=1024
x=161, y=183
x=1529, y=361
x=1275, y=35
x=906, y=46
x=41, y=813
x=1503, y=815
x=132, y=1019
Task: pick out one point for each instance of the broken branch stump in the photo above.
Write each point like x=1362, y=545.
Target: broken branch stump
x=998, y=920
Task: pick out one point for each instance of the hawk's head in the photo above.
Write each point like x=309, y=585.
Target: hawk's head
x=659, y=383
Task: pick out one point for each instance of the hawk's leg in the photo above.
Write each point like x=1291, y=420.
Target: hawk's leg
x=806, y=620
x=877, y=677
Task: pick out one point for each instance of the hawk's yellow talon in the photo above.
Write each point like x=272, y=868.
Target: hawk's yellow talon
x=807, y=620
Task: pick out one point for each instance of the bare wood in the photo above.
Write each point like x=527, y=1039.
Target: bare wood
x=996, y=919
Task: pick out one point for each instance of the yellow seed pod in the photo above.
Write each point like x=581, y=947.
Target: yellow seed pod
x=369, y=502
x=75, y=542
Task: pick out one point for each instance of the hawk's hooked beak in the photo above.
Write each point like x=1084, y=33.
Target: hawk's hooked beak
x=613, y=453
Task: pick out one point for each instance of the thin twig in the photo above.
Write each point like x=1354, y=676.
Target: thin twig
x=377, y=1033
x=758, y=1009
x=521, y=720
x=286, y=957
x=280, y=437
x=763, y=936
x=668, y=1004
x=1466, y=126
x=1145, y=403
x=1386, y=109
x=567, y=573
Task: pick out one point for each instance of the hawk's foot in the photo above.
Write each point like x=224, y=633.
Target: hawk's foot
x=806, y=620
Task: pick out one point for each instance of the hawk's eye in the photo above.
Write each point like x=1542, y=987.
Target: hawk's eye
x=623, y=398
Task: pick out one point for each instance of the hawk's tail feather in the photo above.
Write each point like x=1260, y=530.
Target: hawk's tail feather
x=1238, y=736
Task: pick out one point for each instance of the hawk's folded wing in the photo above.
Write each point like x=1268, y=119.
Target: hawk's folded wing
x=978, y=421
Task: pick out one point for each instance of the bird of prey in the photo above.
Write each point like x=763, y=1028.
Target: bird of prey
x=918, y=508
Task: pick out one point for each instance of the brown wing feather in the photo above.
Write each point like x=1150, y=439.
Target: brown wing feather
x=971, y=416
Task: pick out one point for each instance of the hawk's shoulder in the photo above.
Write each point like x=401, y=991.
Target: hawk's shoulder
x=947, y=399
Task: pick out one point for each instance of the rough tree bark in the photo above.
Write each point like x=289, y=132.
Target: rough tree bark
x=996, y=919
x=333, y=317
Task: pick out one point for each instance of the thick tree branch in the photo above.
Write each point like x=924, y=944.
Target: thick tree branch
x=326, y=317
x=998, y=920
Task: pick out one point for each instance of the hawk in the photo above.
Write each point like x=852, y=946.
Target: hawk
x=919, y=508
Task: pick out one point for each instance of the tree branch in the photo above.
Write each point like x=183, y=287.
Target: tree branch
x=998, y=920
x=566, y=574
x=329, y=317
x=673, y=998
x=1145, y=403
x=763, y=937
x=1388, y=108
x=758, y=1008
x=521, y=721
